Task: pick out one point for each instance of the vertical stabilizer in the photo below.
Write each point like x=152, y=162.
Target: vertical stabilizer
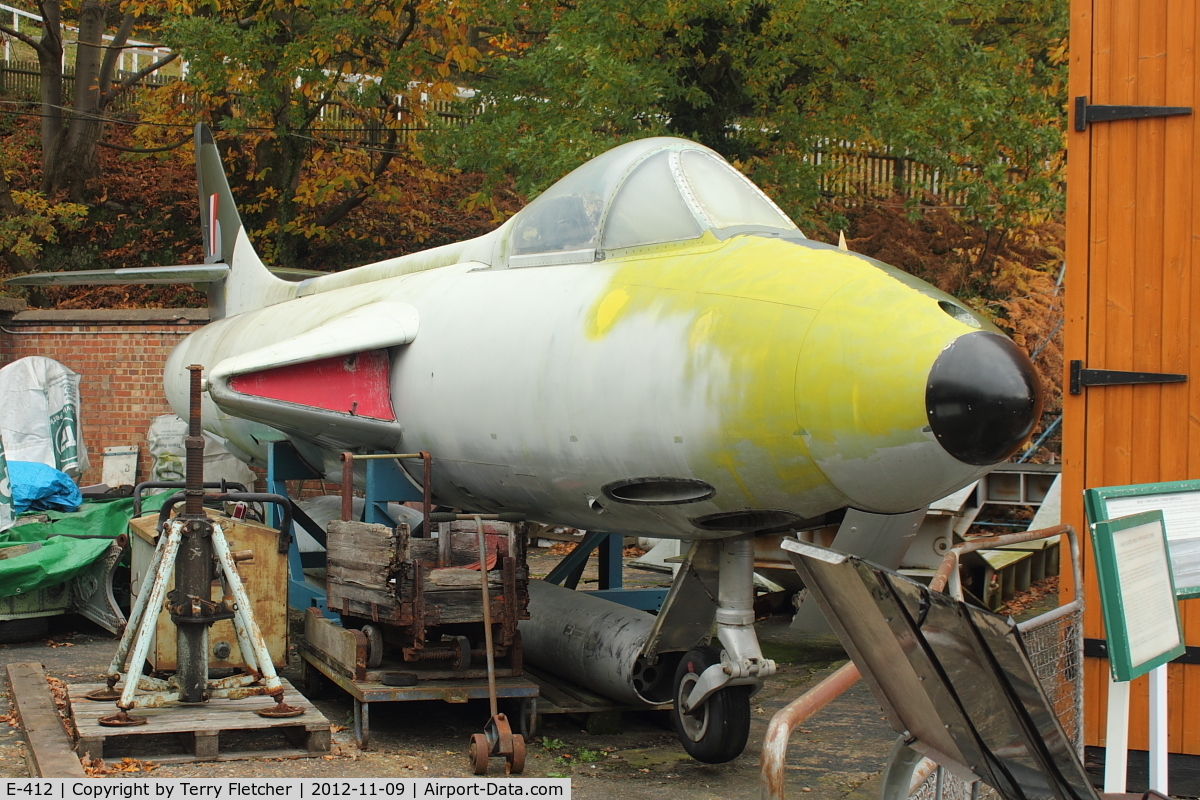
x=249, y=285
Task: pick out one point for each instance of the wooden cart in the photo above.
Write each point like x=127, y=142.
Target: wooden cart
x=412, y=616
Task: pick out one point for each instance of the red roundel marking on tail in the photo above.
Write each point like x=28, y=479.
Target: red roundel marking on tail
x=355, y=384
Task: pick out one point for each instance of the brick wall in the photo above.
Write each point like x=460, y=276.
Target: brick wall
x=120, y=355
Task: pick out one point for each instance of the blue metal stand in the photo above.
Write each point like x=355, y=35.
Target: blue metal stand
x=568, y=572
x=386, y=483
x=284, y=464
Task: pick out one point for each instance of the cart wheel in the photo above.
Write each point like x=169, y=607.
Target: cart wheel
x=516, y=759
x=521, y=713
x=374, y=645
x=463, y=659
x=478, y=753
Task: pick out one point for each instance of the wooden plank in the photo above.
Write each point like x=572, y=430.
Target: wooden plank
x=364, y=544
x=552, y=700
x=1097, y=279
x=1146, y=265
x=235, y=756
x=1122, y=158
x=354, y=573
x=1178, y=315
x=1075, y=303
x=1183, y=79
x=48, y=752
x=363, y=605
x=342, y=645
x=214, y=715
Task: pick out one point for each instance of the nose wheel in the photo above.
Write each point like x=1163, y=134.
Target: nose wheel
x=717, y=730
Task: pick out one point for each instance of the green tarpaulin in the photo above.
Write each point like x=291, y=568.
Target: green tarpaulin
x=61, y=557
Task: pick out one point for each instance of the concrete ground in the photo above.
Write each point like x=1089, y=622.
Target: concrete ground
x=839, y=755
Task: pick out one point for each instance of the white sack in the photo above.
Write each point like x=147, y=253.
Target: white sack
x=168, y=454
x=41, y=416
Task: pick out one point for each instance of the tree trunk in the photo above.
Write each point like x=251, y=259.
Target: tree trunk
x=74, y=164
x=50, y=59
x=280, y=162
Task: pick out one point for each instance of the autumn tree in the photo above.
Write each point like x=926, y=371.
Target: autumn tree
x=972, y=89
x=71, y=134
x=314, y=102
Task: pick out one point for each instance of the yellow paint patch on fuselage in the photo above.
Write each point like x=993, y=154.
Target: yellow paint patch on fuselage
x=759, y=308
x=607, y=311
x=701, y=329
x=861, y=377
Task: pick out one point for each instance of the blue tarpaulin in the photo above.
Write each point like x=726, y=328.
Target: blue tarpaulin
x=37, y=487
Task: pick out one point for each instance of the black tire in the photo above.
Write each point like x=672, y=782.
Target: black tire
x=720, y=730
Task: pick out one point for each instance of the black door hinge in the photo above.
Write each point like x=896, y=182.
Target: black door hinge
x=1085, y=113
x=1081, y=377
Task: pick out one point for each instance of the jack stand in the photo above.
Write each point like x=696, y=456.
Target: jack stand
x=205, y=554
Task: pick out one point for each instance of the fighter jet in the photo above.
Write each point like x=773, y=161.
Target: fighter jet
x=650, y=347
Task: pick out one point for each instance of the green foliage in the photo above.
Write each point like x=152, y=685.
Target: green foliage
x=973, y=89
x=587, y=756
x=552, y=744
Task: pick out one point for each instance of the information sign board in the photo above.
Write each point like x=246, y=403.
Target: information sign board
x=1179, y=502
x=1141, y=614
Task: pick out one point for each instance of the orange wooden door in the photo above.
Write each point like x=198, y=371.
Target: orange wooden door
x=1133, y=297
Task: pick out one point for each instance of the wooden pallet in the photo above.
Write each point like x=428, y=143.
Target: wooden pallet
x=199, y=730
x=600, y=714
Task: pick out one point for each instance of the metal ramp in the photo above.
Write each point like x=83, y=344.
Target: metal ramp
x=955, y=681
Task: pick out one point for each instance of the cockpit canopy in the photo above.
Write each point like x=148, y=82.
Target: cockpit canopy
x=646, y=192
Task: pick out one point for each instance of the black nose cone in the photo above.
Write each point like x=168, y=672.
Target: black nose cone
x=983, y=398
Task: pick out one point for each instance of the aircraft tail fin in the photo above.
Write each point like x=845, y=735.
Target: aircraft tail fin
x=249, y=284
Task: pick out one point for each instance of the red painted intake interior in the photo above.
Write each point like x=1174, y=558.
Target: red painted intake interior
x=354, y=384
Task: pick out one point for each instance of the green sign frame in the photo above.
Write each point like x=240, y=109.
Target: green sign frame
x=1137, y=594
x=1180, y=503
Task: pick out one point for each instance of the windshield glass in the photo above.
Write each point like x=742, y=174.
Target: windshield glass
x=646, y=192
x=648, y=208
x=567, y=215
x=727, y=197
